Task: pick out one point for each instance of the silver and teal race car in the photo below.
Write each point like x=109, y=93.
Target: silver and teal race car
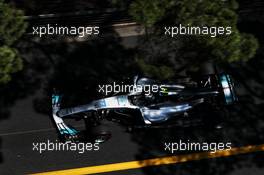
x=170, y=102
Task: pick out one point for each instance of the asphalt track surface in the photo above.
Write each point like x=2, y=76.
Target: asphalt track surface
x=25, y=126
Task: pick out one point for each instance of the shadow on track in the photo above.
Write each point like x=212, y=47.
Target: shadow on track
x=244, y=126
x=79, y=67
x=23, y=84
x=1, y=156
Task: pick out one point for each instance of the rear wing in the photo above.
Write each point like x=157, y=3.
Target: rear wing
x=227, y=86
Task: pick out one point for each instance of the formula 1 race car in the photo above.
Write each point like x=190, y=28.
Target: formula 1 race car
x=171, y=101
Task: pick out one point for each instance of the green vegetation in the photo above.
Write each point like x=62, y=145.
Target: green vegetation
x=12, y=27
x=195, y=49
x=148, y=12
